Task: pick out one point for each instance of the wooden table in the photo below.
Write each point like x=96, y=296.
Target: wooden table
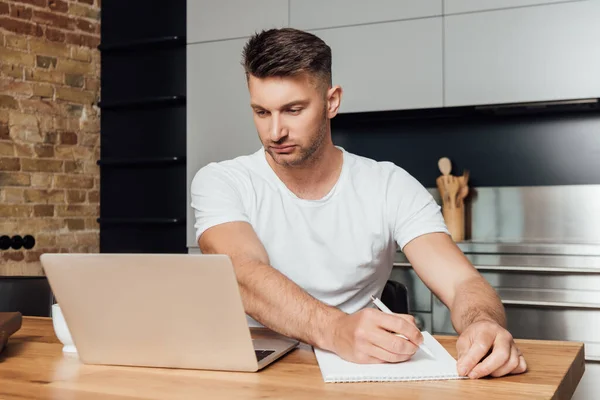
x=33, y=367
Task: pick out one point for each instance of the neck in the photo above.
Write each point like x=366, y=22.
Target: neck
x=315, y=178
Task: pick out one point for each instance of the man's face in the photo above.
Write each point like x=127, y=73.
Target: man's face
x=290, y=114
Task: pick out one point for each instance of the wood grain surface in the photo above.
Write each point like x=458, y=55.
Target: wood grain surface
x=32, y=366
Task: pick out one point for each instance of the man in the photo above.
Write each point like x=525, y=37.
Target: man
x=312, y=229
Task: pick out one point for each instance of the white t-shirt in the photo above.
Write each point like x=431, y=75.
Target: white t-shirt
x=340, y=249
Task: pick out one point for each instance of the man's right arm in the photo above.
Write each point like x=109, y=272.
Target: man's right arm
x=278, y=303
x=268, y=296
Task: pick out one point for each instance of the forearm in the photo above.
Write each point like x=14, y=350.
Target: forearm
x=475, y=300
x=278, y=303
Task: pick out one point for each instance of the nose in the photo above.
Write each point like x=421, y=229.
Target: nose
x=278, y=131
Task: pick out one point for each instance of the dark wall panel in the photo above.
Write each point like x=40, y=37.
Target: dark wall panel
x=499, y=150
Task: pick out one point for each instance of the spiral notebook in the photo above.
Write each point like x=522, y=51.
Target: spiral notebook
x=420, y=367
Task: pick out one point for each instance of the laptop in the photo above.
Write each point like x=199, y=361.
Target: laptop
x=158, y=310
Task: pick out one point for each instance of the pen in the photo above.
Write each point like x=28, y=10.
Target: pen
x=386, y=310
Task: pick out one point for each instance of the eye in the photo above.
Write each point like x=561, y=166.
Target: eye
x=294, y=111
x=260, y=113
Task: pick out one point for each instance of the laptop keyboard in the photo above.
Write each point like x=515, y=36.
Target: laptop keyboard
x=260, y=354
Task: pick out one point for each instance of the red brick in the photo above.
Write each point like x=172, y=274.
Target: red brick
x=73, y=182
x=7, y=149
x=4, y=132
x=94, y=196
x=41, y=165
x=39, y=106
x=41, y=75
x=15, y=179
x=58, y=5
x=68, y=138
x=4, y=9
x=9, y=164
x=41, y=180
x=39, y=3
x=81, y=53
x=75, y=224
x=21, y=27
x=7, y=101
x=33, y=256
x=90, y=2
x=44, y=150
x=83, y=40
x=15, y=210
x=17, y=11
x=16, y=87
x=23, y=149
x=84, y=11
x=75, y=196
x=75, y=67
x=46, y=91
x=43, y=210
x=44, y=196
x=13, y=256
x=92, y=84
x=86, y=26
x=46, y=48
x=87, y=238
x=14, y=71
x=17, y=41
x=9, y=56
x=53, y=19
x=74, y=167
x=75, y=95
x=76, y=210
x=55, y=35
x=12, y=195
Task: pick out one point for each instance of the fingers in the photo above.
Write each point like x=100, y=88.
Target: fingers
x=396, y=348
x=400, y=323
x=510, y=365
x=478, y=349
x=522, y=366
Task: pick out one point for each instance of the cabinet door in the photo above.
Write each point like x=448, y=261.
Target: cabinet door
x=315, y=14
x=387, y=66
x=227, y=19
x=219, y=118
x=464, y=6
x=521, y=55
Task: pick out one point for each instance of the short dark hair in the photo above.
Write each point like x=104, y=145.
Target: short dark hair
x=287, y=52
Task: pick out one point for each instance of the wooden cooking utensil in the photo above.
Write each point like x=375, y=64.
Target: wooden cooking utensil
x=445, y=166
x=453, y=190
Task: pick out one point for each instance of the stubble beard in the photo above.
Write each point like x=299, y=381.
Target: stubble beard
x=307, y=155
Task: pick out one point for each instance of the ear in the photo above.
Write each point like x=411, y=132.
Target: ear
x=334, y=99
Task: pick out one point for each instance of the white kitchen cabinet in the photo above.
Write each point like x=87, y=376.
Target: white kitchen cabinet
x=387, y=66
x=227, y=19
x=315, y=14
x=522, y=55
x=219, y=118
x=464, y=6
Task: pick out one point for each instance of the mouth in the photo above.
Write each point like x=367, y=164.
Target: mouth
x=283, y=149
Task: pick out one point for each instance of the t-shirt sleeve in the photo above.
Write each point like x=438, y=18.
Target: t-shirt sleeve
x=216, y=198
x=413, y=209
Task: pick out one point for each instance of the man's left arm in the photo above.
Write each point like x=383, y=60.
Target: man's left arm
x=476, y=310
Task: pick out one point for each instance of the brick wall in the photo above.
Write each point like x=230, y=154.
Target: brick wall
x=49, y=128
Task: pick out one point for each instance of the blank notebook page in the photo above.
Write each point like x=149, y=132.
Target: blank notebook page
x=420, y=367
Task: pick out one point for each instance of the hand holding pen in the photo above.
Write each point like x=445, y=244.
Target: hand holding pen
x=382, y=307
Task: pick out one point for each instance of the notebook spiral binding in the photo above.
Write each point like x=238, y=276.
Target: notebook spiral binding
x=351, y=379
